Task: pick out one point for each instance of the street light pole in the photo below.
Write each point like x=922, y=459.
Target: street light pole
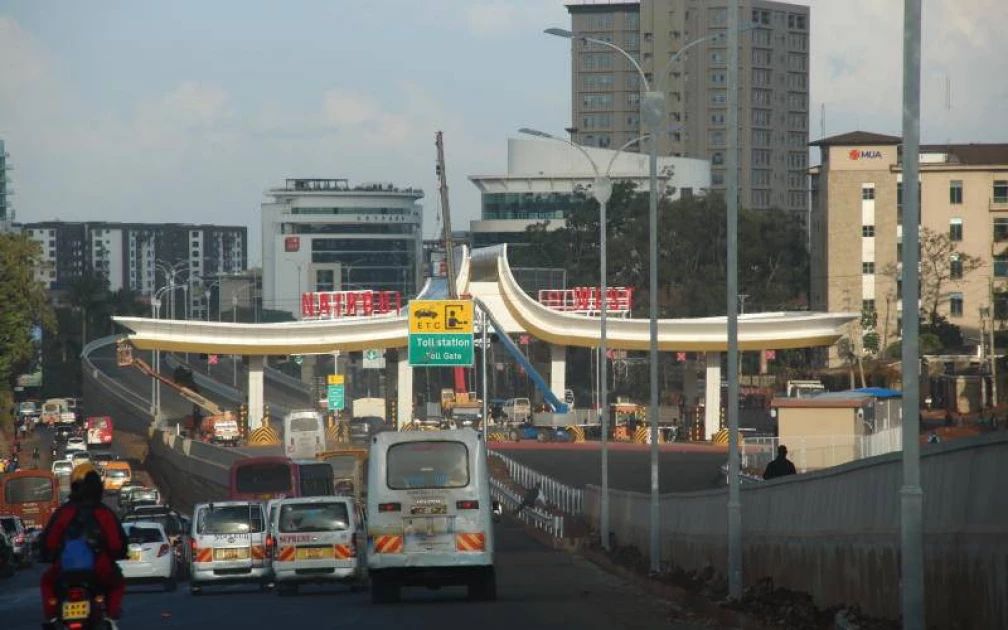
x=911, y=494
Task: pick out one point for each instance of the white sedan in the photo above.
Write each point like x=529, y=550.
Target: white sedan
x=62, y=467
x=150, y=559
x=76, y=444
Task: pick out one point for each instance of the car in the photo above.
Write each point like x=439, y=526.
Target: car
x=62, y=467
x=6, y=555
x=63, y=432
x=79, y=457
x=175, y=525
x=425, y=313
x=21, y=542
x=362, y=429
x=101, y=458
x=116, y=474
x=75, y=444
x=149, y=555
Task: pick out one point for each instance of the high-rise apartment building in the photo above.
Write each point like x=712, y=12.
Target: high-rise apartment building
x=857, y=231
x=773, y=88
x=137, y=256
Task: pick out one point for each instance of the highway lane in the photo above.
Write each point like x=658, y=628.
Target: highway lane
x=684, y=470
x=537, y=588
x=276, y=391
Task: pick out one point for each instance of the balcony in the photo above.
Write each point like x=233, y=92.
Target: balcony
x=999, y=204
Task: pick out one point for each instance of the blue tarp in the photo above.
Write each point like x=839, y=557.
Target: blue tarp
x=880, y=392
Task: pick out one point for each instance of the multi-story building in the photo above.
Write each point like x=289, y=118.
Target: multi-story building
x=325, y=235
x=137, y=256
x=773, y=88
x=543, y=176
x=856, y=229
x=6, y=212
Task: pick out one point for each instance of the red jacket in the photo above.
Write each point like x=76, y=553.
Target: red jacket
x=114, y=542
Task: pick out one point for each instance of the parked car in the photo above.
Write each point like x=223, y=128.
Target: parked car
x=21, y=543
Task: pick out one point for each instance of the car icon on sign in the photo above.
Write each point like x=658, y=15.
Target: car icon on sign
x=425, y=313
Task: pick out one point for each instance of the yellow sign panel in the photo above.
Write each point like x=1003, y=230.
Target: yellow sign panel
x=334, y=379
x=441, y=316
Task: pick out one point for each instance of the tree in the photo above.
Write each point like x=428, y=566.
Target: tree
x=941, y=265
x=89, y=293
x=24, y=305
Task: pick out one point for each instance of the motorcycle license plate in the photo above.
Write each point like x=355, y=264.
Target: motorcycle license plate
x=76, y=610
x=314, y=553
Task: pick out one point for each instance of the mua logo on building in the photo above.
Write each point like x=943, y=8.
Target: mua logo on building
x=864, y=155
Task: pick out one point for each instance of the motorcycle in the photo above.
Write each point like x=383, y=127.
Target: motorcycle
x=78, y=607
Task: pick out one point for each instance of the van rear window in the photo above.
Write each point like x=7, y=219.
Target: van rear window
x=304, y=423
x=428, y=465
x=314, y=517
x=232, y=519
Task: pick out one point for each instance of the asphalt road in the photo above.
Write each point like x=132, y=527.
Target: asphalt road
x=678, y=471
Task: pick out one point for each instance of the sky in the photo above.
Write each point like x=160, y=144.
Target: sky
x=187, y=111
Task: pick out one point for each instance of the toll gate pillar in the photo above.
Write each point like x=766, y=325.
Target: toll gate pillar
x=404, y=406
x=255, y=392
x=558, y=370
x=712, y=396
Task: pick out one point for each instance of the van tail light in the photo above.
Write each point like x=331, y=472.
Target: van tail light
x=390, y=507
x=192, y=545
x=163, y=550
x=271, y=545
x=467, y=505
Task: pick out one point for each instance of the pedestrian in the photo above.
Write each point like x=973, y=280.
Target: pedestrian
x=779, y=466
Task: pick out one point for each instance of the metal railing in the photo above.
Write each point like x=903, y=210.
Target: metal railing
x=552, y=524
x=815, y=452
x=562, y=497
x=114, y=387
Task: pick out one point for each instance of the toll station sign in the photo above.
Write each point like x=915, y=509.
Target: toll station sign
x=441, y=333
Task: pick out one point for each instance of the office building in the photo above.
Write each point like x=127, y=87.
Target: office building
x=856, y=229
x=543, y=176
x=773, y=88
x=137, y=256
x=326, y=235
x=6, y=211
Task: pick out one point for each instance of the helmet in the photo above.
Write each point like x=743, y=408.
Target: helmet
x=81, y=470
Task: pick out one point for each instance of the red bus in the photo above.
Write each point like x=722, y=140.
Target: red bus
x=31, y=494
x=99, y=431
x=265, y=478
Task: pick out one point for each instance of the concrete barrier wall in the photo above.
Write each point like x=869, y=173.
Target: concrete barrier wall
x=836, y=533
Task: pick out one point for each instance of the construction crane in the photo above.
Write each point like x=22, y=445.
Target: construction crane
x=125, y=358
x=460, y=380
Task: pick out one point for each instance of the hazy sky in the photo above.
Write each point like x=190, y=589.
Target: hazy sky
x=182, y=110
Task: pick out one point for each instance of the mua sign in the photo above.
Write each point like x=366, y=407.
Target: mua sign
x=870, y=154
x=337, y=304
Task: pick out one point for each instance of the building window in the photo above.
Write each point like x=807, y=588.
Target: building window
x=955, y=267
x=1000, y=230
x=955, y=230
x=867, y=268
x=868, y=231
x=956, y=305
x=717, y=158
x=1001, y=191
x=955, y=192
x=1000, y=266
x=868, y=192
x=867, y=306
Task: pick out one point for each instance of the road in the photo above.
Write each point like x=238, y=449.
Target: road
x=682, y=470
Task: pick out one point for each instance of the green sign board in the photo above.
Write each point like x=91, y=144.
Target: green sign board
x=441, y=349
x=335, y=395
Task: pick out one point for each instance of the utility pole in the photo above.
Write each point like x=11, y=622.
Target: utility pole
x=993, y=352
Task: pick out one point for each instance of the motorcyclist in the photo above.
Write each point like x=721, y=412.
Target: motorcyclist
x=105, y=534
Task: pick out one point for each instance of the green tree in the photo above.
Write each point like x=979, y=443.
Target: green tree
x=89, y=294
x=24, y=304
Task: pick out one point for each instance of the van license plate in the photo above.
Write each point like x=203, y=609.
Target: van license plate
x=76, y=610
x=231, y=554
x=314, y=553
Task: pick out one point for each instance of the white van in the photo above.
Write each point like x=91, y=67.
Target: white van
x=304, y=434
x=430, y=517
x=229, y=545
x=316, y=539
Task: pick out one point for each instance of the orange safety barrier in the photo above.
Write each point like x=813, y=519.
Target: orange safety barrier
x=470, y=542
x=388, y=544
x=343, y=552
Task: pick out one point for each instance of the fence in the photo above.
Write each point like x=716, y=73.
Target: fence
x=814, y=452
x=567, y=499
x=552, y=524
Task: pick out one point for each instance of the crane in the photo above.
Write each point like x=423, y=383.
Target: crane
x=460, y=380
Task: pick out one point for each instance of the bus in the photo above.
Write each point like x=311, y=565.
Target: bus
x=53, y=410
x=31, y=494
x=99, y=431
x=265, y=478
x=304, y=434
x=349, y=469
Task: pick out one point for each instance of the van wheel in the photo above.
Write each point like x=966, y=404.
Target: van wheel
x=384, y=591
x=484, y=587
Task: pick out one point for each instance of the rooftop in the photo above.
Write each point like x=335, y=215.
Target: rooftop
x=855, y=139
x=971, y=154
x=315, y=184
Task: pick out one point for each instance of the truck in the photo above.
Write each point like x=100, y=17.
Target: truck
x=222, y=430
x=349, y=464
x=100, y=431
x=369, y=407
x=466, y=402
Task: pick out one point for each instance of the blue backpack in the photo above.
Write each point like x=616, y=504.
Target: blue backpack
x=80, y=544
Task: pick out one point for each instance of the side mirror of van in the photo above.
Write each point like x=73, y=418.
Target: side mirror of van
x=497, y=511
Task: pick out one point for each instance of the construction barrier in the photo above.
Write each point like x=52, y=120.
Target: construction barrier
x=497, y=436
x=264, y=436
x=577, y=433
x=721, y=437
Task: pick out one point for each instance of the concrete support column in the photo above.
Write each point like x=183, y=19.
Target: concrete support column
x=712, y=395
x=690, y=382
x=558, y=370
x=404, y=386
x=255, y=391
x=762, y=361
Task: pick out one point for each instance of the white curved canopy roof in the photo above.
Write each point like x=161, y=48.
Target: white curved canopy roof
x=485, y=275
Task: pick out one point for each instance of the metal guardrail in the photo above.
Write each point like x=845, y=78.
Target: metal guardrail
x=540, y=519
x=111, y=385
x=567, y=499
